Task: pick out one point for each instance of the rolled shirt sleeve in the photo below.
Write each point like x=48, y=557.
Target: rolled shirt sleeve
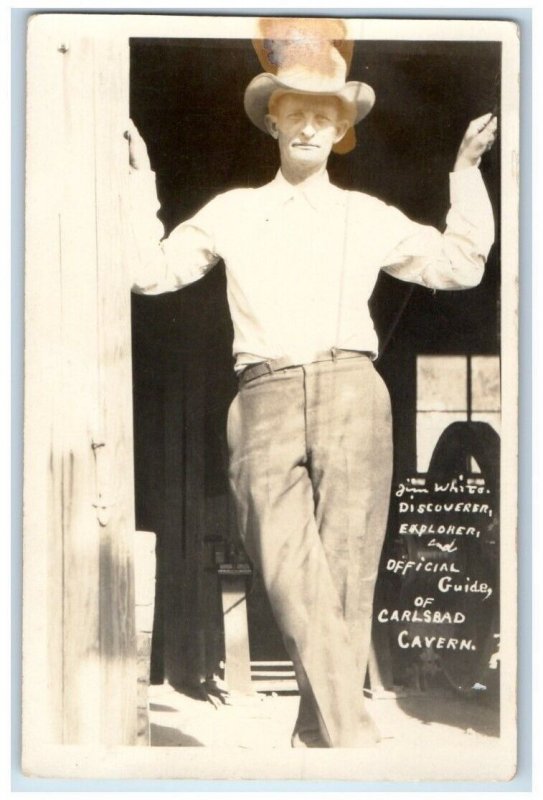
x=165, y=265
x=454, y=259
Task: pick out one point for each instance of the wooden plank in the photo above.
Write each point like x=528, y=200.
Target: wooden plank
x=276, y=686
x=257, y=675
x=144, y=591
x=143, y=671
x=112, y=439
x=42, y=632
x=77, y=398
x=145, y=579
x=237, y=671
x=80, y=654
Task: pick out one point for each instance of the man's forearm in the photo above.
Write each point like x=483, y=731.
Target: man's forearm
x=468, y=236
x=149, y=267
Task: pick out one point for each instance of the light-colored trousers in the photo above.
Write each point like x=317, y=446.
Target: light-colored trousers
x=310, y=470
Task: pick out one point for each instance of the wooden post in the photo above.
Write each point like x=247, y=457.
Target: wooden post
x=237, y=670
x=79, y=631
x=145, y=585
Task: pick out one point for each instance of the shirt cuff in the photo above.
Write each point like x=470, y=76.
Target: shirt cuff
x=466, y=184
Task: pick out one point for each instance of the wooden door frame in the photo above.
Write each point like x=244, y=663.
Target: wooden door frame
x=79, y=678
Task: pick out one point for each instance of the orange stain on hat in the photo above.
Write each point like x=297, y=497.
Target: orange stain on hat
x=311, y=41
x=311, y=56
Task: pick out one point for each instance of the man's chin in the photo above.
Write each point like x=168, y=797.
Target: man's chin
x=312, y=154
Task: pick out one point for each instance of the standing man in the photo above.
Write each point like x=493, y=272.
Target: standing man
x=309, y=431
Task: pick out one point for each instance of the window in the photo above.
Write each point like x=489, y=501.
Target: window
x=454, y=389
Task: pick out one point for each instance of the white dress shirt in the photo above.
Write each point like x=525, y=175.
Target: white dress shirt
x=301, y=263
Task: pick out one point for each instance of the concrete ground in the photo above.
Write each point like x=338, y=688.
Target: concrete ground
x=266, y=721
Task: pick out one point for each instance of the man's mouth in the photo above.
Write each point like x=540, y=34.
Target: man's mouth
x=306, y=145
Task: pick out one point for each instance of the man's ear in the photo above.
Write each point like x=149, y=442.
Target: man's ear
x=271, y=125
x=341, y=128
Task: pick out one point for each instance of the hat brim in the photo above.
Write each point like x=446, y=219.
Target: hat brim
x=359, y=97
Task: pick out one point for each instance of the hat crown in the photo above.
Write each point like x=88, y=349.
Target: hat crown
x=322, y=70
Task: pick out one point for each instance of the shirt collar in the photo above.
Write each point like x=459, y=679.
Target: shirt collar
x=317, y=190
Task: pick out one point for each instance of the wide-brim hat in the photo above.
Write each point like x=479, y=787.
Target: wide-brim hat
x=310, y=65
x=357, y=97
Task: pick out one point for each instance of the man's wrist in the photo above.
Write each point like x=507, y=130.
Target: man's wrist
x=465, y=163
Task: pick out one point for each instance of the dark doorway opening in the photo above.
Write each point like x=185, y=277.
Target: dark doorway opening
x=187, y=101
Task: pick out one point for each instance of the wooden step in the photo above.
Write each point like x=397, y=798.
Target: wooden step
x=273, y=676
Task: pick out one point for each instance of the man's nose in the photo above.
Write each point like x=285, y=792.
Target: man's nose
x=309, y=129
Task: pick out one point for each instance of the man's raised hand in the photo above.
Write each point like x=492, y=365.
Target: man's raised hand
x=479, y=137
x=137, y=149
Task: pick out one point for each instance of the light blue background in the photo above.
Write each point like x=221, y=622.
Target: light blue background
x=522, y=782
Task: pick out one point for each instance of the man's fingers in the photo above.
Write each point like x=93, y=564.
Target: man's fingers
x=482, y=133
x=488, y=135
x=487, y=122
x=478, y=139
x=137, y=149
x=130, y=131
x=481, y=122
x=492, y=126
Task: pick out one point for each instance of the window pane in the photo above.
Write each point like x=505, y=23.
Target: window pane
x=430, y=426
x=485, y=383
x=441, y=383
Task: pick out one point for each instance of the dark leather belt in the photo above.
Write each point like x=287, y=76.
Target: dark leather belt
x=277, y=364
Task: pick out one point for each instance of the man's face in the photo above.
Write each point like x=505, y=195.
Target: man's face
x=306, y=128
